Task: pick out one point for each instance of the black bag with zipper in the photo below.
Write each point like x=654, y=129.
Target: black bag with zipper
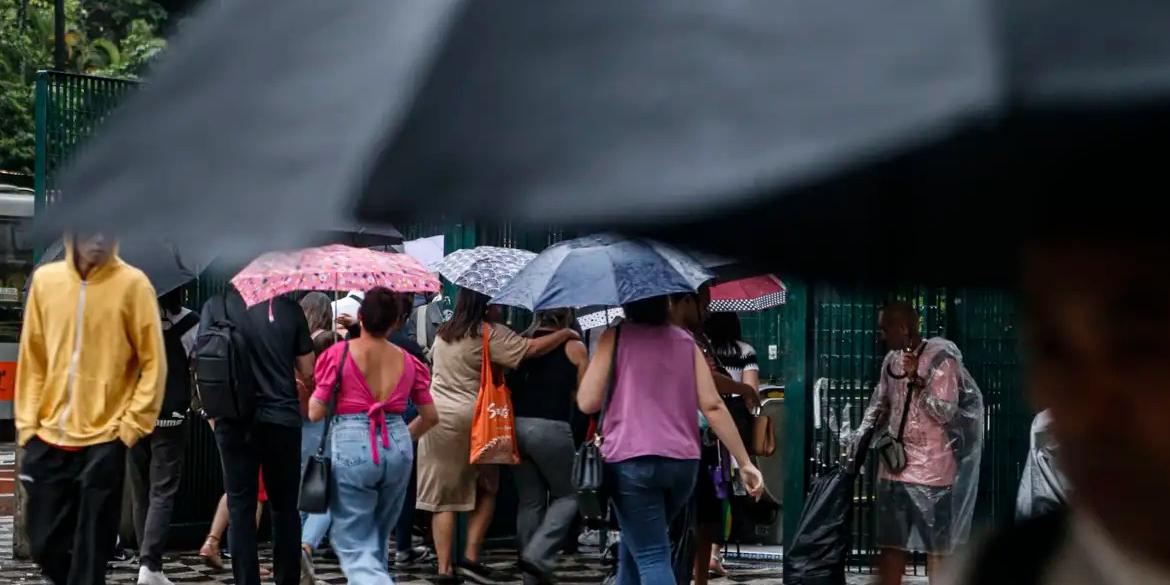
x=222, y=366
x=314, y=495
x=588, y=465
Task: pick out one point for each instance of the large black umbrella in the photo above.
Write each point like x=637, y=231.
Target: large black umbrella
x=166, y=265
x=754, y=127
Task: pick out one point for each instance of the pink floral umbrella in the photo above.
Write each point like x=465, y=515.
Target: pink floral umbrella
x=331, y=268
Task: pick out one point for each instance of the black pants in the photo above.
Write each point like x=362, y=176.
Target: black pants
x=245, y=448
x=74, y=506
x=156, y=466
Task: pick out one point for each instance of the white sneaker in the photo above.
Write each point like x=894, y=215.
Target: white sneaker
x=148, y=577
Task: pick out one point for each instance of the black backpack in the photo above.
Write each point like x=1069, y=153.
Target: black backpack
x=177, y=398
x=222, y=366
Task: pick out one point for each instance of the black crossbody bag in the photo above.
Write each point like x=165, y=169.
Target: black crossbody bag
x=314, y=496
x=588, y=466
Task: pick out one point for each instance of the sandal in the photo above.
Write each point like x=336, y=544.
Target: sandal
x=210, y=553
x=716, y=567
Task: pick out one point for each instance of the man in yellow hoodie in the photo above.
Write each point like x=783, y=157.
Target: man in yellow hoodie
x=89, y=384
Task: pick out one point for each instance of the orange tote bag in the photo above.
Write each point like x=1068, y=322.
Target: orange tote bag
x=493, y=430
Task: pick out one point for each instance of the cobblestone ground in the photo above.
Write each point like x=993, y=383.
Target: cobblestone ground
x=186, y=568
x=583, y=568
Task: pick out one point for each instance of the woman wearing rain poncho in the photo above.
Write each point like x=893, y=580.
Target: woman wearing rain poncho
x=927, y=418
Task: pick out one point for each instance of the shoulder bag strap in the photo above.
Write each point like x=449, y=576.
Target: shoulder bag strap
x=909, y=395
x=905, y=411
x=485, y=369
x=611, y=382
x=331, y=406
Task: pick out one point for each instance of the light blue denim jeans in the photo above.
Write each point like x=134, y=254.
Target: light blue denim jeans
x=367, y=497
x=314, y=527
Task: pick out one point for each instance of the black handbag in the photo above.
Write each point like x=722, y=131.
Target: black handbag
x=588, y=466
x=314, y=496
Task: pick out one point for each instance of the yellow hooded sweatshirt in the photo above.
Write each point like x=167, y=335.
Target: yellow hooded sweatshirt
x=92, y=366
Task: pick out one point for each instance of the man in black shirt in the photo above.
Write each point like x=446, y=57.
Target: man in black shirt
x=278, y=343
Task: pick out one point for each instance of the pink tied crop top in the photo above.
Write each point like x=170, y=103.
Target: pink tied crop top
x=355, y=396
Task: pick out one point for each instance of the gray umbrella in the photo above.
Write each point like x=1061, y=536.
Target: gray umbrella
x=790, y=122
x=602, y=270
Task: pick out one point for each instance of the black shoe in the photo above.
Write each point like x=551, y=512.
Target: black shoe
x=412, y=557
x=446, y=580
x=542, y=577
x=481, y=573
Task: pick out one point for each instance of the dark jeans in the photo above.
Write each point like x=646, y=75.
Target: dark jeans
x=156, y=466
x=244, y=447
x=74, y=506
x=404, y=530
x=648, y=492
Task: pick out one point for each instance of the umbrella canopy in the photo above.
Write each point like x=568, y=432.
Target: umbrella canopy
x=331, y=268
x=706, y=122
x=757, y=293
x=602, y=270
x=360, y=236
x=483, y=269
x=593, y=317
x=167, y=267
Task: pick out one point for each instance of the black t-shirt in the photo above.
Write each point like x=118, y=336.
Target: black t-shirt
x=543, y=387
x=274, y=344
x=397, y=337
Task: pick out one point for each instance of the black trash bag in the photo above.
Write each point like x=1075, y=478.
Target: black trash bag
x=823, y=537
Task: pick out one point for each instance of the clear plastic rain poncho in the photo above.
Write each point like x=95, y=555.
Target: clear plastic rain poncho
x=927, y=507
x=1043, y=488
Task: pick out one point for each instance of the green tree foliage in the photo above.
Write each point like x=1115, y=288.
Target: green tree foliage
x=116, y=38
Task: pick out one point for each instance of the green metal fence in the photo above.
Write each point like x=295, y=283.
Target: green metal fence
x=68, y=108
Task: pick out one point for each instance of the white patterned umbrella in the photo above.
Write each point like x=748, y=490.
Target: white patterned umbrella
x=600, y=318
x=485, y=269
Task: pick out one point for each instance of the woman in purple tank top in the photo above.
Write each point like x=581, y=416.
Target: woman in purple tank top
x=651, y=433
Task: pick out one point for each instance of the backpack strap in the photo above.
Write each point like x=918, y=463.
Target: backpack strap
x=186, y=323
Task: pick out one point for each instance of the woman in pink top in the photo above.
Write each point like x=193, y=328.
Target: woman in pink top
x=651, y=433
x=371, y=445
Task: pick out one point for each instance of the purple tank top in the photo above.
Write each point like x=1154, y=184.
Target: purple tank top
x=652, y=411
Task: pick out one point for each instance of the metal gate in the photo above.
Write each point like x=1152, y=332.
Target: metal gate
x=847, y=352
